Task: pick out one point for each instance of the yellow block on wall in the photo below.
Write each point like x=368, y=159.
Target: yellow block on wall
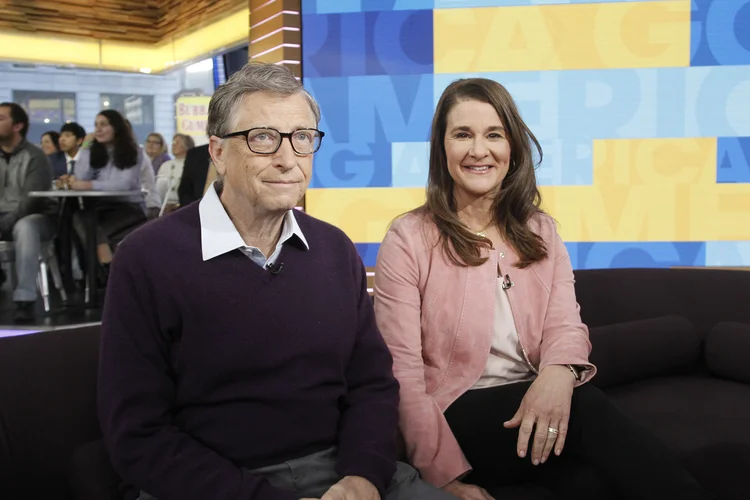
x=364, y=214
x=560, y=37
x=652, y=190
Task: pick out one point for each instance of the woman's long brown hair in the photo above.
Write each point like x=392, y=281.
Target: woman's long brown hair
x=518, y=198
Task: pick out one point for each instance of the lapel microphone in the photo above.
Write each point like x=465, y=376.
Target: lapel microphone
x=507, y=283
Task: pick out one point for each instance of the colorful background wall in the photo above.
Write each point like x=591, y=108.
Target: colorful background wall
x=642, y=108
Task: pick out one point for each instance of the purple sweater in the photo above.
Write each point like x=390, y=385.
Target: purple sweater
x=212, y=368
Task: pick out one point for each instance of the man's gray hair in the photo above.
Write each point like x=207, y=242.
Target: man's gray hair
x=253, y=77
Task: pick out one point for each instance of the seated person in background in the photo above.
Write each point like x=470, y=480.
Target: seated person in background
x=113, y=163
x=170, y=173
x=71, y=141
x=148, y=181
x=50, y=142
x=148, y=186
x=242, y=360
x=51, y=147
x=194, y=175
x=156, y=149
x=474, y=296
x=25, y=221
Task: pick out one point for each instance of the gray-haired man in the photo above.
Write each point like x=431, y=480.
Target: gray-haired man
x=242, y=360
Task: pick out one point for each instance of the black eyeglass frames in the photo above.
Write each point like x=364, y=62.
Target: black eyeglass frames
x=266, y=141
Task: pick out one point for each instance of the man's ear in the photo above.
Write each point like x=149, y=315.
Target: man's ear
x=217, y=150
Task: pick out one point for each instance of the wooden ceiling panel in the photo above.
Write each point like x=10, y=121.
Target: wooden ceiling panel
x=179, y=16
x=144, y=21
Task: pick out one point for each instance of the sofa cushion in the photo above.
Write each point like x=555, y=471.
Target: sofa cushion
x=703, y=419
x=47, y=408
x=92, y=477
x=727, y=351
x=637, y=350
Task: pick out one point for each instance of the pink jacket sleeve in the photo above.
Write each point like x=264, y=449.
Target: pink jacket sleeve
x=430, y=444
x=565, y=338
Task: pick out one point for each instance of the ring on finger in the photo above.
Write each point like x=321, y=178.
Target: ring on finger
x=552, y=430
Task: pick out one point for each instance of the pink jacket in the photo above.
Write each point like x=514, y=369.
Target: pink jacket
x=437, y=320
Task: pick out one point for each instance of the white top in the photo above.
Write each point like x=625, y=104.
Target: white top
x=170, y=172
x=148, y=179
x=219, y=236
x=506, y=363
x=68, y=159
x=111, y=178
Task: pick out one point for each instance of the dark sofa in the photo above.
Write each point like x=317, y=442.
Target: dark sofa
x=672, y=347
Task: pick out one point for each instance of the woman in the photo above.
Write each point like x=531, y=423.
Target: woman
x=156, y=149
x=51, y=147
x=112, y=163
x=50, y=142
x=170, y=173
x=475, y=298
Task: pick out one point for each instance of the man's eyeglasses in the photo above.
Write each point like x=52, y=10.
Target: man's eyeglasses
x=266, y=141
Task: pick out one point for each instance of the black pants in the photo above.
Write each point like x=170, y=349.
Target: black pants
x=606, y=454
x=111, y=217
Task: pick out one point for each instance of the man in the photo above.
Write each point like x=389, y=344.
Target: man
x=242, y=360
x=194, y=175
x=24, y=220
x=71, y=141
x=72, y=136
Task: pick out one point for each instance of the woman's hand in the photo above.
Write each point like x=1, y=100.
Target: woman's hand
x=352, y=488
x=546, y=405
x=77, y=185
x=467, y=491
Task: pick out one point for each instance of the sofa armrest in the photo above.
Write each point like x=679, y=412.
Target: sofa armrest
x=636, y=350
x=727, y=351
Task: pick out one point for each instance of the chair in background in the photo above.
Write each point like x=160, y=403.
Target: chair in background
x=47, y=264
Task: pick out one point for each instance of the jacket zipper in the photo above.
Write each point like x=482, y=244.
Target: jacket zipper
x=518, y=334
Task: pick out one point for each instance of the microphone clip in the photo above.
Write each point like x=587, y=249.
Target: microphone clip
x=275, y=269
x=507, y=283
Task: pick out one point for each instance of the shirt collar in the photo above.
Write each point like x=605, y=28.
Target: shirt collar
x=74, y=158
x=218, y=234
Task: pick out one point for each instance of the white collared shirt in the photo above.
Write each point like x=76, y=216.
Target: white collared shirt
x=219, y=236
x=68, y=159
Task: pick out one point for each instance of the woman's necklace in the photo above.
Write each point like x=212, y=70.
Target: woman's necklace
x=482, y=232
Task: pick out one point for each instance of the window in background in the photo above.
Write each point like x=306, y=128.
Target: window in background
x=199, y=78
x=234, y=60
x=139, y=109
x=47, y=111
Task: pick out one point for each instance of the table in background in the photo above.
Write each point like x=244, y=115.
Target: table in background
x=90, y=247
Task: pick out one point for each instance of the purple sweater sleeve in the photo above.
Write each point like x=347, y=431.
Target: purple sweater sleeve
x=135, y=399
x=367, y=434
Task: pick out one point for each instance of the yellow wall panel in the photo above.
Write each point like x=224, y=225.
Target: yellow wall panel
x=220, y=35
x=557, y=37
x=122, y=56
x=652, y=190
x=364, y=214
x=620, y=163
x=719, y=213
x=37, y=49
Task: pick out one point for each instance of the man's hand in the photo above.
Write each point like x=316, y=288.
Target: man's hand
x=546, y=405
x=351, y=488
x=467, y=491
